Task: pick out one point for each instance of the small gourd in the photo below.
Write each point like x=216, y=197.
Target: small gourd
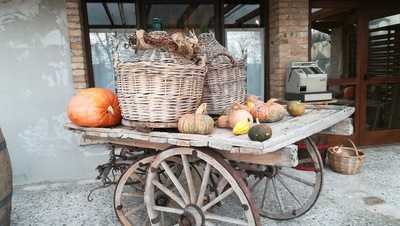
x=260, y=132
x=295, y=108
x=197, y=123
x=223, y=121
x=261, y=112
x=237, y=114
x=234, y=107
x=242, y=127
x=252, y=102
x=276, y=111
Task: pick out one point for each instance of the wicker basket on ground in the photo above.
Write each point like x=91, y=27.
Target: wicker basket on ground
x=345, y=160
x=155, y=87
x=226, y=77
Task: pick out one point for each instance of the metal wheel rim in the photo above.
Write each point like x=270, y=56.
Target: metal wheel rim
x=318, y=164
x=212, y=160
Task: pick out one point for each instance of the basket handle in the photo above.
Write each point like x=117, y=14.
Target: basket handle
x=232, y=61
x=354, y=146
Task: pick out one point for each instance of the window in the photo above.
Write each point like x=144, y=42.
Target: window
x=244, y=36
x=240, y=22
x=199, y=17
x=384, y=47
x=333, y=41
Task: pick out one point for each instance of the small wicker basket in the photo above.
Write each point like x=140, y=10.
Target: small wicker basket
x=157, y=88
x=226, y=77
x=346, y=160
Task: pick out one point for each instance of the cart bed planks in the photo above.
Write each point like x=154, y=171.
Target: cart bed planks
x=285, y=132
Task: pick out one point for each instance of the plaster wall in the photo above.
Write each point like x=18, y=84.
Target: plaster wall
x=35, y=86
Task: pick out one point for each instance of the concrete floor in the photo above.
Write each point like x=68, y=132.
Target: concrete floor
x=369, y=198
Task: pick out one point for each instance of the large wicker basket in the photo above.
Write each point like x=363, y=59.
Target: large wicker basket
x=226, y=77
x=157, y=88
x=345, y=160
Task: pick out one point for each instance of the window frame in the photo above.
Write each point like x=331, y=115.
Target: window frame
x=141, y=23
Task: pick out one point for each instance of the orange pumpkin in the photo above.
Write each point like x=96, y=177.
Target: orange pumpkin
x=95, y=107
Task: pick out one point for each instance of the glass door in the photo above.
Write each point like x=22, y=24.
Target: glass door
x=333, y=45
x=380, y=101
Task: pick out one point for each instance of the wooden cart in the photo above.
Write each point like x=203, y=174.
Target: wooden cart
x=217, y=179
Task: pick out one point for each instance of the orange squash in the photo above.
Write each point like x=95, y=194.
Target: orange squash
x=261, y=112
x=252, y=103
x=94, y=107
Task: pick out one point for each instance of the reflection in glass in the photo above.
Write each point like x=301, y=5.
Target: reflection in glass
x=108, y=14
x=383, y=105
x=333, y=43
x=102, y=50
x=182, y=16
x=250, y=42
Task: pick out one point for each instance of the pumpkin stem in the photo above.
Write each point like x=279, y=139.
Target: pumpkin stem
x=201, y=110
x=110, y=110
x=271, y=101
x=252, y=98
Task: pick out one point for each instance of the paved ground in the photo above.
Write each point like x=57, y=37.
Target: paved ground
x=369, y=198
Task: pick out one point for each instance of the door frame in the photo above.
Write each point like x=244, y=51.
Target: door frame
x=364, y=10
x=370, y=137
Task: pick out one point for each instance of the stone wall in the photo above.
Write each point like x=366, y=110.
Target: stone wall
x=76, y=41
x=288, y=28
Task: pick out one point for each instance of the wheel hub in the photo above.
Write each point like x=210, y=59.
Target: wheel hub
x=270, y=171
x=192, y=216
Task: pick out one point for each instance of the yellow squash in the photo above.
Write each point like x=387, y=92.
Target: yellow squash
x=242, y=127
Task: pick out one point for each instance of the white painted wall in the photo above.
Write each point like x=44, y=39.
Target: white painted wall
x=35, y=86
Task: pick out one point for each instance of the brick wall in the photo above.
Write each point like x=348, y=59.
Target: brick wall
x=76, y=40
x=288, y=28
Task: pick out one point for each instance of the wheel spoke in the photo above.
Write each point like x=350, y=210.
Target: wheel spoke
x=189, y=178
x=256, y=183
x=169, y=193
x=168, y=210
x=210, y=216
x=221, y=185
x=133, y=194
x=279, y=178
x=307, y=160
x=296, y=178
x=278, y=197
x=135, y=176
x=176, y=182
x=265, y=193
x=204, y=183
x=219, y=198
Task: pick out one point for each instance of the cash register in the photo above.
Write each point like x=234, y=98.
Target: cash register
x=305, y=81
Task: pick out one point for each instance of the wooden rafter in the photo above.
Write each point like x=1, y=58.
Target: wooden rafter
x=186, y=14
x=248, y=16
x=324, y=14
x=105, y=6
x=122, y=13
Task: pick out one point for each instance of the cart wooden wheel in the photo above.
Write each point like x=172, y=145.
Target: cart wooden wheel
x=129, y=193
x=193, y=205
x=284, y=193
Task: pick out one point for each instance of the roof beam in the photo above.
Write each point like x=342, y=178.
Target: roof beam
x=105, y=6
x=329, y=12
x=186, y=14
x=248, y=16
x=122, y=13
